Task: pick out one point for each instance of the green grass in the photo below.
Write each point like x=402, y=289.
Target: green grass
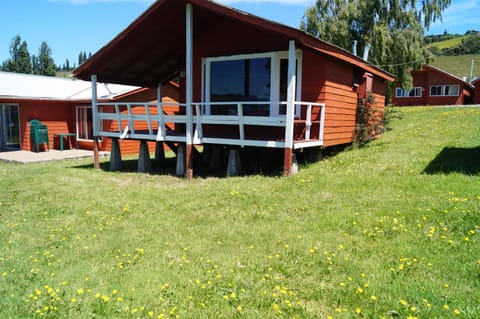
x=459, y=65
x=390, y=230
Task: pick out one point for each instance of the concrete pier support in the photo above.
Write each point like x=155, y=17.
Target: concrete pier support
x=115, y=156
x=233, y=166
x=294, y=168
x=180, y=168
x=216, y=158
x=160, y=153
x=144, y=164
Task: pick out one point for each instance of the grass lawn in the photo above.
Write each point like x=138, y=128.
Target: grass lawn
x=391, y=230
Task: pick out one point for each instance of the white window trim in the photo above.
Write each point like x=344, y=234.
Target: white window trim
x=77, y=123
x=406, y=92
x=443, y=87
x=274, y=78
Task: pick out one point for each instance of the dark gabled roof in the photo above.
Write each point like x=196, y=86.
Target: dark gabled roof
x=152, y=49
x=429, y=67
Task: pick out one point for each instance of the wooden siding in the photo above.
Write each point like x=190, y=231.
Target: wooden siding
x=476, y=93
x=331, y=82
x=58, y=116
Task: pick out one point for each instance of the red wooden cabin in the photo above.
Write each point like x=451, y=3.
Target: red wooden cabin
x=432, y=86
x=476, y=94
x=244, y=81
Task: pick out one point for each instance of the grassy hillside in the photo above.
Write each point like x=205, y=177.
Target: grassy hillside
x=459, y=65
x=450, y=42
x=391, y=230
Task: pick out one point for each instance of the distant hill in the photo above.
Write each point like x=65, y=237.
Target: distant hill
x=454, y=44
x=454, y=53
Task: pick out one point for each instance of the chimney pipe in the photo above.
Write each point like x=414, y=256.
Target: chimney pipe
x=354, y=47
x=365, y=51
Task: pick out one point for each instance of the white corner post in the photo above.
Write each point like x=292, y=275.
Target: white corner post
x=96, y=122
x=189, y=90
x=159, y=147
x=292, y=65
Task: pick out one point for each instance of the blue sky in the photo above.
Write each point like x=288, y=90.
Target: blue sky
x=71, y=26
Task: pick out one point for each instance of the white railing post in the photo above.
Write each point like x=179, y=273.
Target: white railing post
x=308, y=122
x=189, y=88
x=96, y=124
x=240, y=123
x=149, y=121
x=322, y=123
x=161, y=117
x=292, y=61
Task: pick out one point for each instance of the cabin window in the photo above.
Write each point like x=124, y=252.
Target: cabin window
x=444, y=90
x=415, y=92
x=245, y=80
x=85, y=123
x=259, y=82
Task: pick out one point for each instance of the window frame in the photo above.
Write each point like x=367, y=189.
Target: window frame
x=445, y=88
x=82, y=109
x=406, y=92
x=275, y=64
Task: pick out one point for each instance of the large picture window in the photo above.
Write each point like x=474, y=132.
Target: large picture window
x=243, y=80
x=259, y=80
x=444, y=90
x=415, y=92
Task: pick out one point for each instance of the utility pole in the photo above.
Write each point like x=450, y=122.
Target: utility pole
x=471, y=70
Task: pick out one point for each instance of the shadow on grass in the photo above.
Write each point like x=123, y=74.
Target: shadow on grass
x=200, y=169
x=455, y=160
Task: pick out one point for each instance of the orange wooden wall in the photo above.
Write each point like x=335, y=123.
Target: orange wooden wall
x=58, y=116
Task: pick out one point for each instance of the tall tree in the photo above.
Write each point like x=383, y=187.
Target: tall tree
x=19, y=61
x=35, y=65
x=45, y=61
x=393, y=28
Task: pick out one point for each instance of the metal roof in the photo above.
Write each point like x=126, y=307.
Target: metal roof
x=152, y=49
x=38, y=87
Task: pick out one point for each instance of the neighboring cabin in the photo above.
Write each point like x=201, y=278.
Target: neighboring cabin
x=245, y=82
x=432, y=86
x=476, y=95
x=63, y=105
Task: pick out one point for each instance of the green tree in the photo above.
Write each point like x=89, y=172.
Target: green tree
x=35, y=66
x=46, y=64
x=393, y=28
x=19, y=61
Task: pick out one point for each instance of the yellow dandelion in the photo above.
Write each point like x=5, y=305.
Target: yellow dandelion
x=358, y=310
x=80, y=291
x=457, y=312
x=373, y=298
x=239, y=308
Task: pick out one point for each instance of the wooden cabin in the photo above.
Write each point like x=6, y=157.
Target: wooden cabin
x=432, y=86
x=244, y=82
x=64, y=106
x=476, y=94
